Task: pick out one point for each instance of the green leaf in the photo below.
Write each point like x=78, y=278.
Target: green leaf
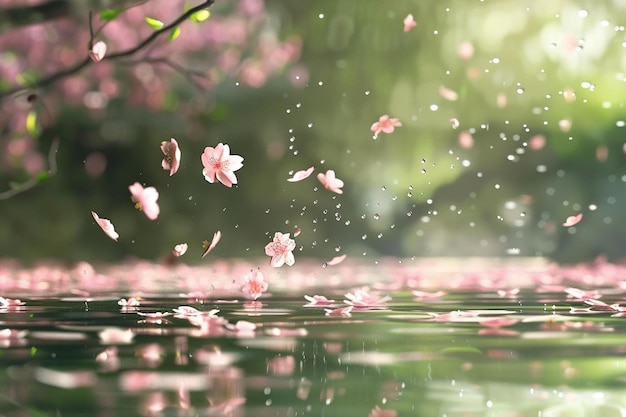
x=42, y=176
x=154, y=23
x=175, y=33
x=200, y=16
x=31, y=124
x=110, y=14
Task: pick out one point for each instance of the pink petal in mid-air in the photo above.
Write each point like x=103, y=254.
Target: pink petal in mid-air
x=145, y=199
x=179, y=250
x=97, y=52
x=171, y=160
x=208, y=247
x=409, y=22
x=454, y=122
x=106, y=226
x=448, y=94
x=330, y=181
x=337, y=260
x=300, y=175
x=573, y=220
x=385, y=124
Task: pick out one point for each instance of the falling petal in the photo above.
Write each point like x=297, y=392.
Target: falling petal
x=209, y=247
x=106, y=226
x=98, y=50
x=337, y=260
x=300, y=175
x=573, y=220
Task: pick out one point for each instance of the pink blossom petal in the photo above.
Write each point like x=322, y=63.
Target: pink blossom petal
x=179, y=250
x=337, y=260
x=409, y=22
x=466, y=140
x=98, y=50
x=454, y=122
x=171, y=161
x=106, y=226
x=339, y=312
x=300, y=175
x=209, y=247
x=116, y=336
x=145, y=199
x=573, y=220
x=318, y=300
x=448, y=94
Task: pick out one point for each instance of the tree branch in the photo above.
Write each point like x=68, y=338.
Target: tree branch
x=51, y=79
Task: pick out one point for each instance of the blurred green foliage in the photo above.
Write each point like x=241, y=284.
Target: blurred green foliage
x=409, y=193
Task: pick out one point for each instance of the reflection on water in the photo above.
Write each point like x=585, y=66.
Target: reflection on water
x=513, y=340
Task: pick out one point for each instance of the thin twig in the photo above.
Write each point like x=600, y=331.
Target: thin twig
x=27, y=185
x=51, y=79
x=188, y=73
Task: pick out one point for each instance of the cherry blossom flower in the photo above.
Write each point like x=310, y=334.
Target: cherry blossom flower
x=330, y=182
x=208, y=247
x=106, y=226
x=317, y=300
x=300, y=175
x=98, y=50
x=337, y=260
x=220, y=164
x=573, y=220
x=364, y=298
x=171, y=161
x=385, y=124
x=179, y=250
x=254, y=284
x=281, y=250
x=116, y=336
x=409, y=22
x=145, y=199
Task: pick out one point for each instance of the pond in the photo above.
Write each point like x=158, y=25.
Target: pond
x=429, y=337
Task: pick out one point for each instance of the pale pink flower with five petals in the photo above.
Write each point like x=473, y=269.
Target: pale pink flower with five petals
x=146, y=200
x=281, y=250
x=254, y=284
x=385, y=124
x=220, y=164
x=330, y=182
x=98, y=50
x=106, y=226
x=171, y=161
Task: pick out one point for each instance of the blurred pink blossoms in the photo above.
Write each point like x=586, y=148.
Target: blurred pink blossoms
x=254, y=284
